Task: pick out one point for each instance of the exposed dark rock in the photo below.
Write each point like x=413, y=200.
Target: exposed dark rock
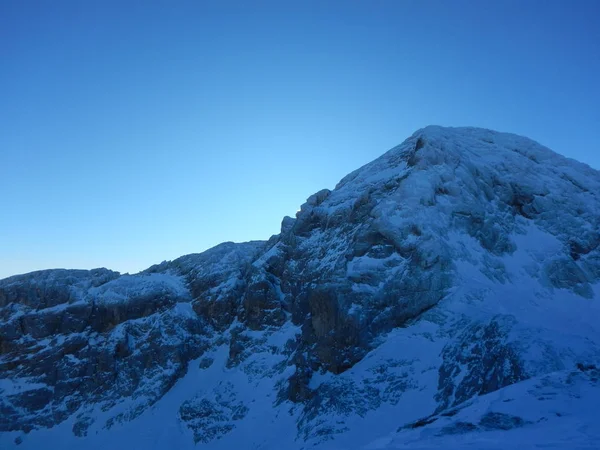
x=564, y=273
x=587, y=367
x=483, y=360
x=206, y=362
x=80, y=427
x=500, y=421
x=420, y=423
x=262, y=306
x=458, y=428
x=211, y=419
x=383, y=252
x=32, y=400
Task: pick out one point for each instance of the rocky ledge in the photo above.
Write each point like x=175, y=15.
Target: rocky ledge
x=459, y=264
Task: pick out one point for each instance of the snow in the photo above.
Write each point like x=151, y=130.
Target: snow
x=558, y=410
x=450, y=199
x=11, y=386
x=184, y=309
x=124, y=287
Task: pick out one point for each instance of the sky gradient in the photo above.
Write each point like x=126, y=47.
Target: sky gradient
x=134, y=132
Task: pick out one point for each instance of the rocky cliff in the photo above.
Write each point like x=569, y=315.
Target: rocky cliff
x=457, y=269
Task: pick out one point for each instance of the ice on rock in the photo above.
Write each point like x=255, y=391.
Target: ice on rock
x=444, y=295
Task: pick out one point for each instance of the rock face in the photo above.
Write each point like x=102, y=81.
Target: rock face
x=459, y=264
x=96, y=337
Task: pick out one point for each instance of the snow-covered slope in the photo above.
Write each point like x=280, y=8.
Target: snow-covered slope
x=443, y=296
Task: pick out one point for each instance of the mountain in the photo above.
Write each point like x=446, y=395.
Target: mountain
x=446, y=295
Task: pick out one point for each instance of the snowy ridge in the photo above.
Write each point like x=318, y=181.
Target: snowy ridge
x=443, y=296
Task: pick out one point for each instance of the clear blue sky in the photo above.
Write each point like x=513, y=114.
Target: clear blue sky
x=133, y=131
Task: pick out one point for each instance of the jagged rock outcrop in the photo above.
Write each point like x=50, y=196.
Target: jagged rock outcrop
x=459, y=264
x=96, y=337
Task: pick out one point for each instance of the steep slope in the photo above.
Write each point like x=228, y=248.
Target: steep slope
x=557, y=409
x=73, y=338
x=462, y=263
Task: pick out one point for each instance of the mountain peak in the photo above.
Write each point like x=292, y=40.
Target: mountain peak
x=414, y=300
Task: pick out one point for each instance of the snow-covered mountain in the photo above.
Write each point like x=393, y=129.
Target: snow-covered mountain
x=446, y=295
